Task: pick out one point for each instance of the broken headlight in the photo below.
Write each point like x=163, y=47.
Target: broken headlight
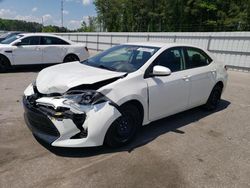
x=85, y=97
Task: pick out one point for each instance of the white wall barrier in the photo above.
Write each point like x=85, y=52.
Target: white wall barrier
x=231, y=47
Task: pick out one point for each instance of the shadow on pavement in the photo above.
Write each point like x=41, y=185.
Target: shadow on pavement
x=146, y=134
x=27, y=68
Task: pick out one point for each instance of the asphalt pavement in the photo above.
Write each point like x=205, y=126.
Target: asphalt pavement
x=191, y=149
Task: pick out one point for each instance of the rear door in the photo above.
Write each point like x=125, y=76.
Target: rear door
x=28, y=51
x=54, y=49
x=169, y=94
x=202, y=73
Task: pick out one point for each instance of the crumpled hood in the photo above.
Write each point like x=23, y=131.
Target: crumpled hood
x=61, y=78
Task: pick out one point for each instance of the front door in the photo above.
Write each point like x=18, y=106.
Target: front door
x=169, y=94
x=28, y=52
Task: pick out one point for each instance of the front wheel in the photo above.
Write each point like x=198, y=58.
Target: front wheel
x=124, y=128
x=214, y=98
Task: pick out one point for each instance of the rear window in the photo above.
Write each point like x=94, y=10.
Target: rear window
x=196, y=58
x=53, y=41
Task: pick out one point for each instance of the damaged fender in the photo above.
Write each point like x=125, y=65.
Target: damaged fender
x=68, y=128
x=96, y=129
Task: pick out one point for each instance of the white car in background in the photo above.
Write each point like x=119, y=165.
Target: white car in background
x=39, y=48
x=106, y=98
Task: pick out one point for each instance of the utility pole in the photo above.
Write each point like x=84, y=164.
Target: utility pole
x=42, y=22
x=62, y=13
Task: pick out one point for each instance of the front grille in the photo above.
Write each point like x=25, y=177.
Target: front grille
x=39, y=122
x=42, y=124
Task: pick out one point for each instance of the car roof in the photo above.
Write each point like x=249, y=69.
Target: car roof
x=46, y=35
x=160, y=44
x=13, y=32
x=39, y=34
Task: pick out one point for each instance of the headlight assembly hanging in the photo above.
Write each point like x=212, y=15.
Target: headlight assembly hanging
x=84, y=97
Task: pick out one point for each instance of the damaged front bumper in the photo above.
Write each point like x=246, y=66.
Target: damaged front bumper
x=62, y=125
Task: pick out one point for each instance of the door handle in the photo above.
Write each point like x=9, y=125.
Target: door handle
x=8, y=51
x=186, y=78
x=38, y=49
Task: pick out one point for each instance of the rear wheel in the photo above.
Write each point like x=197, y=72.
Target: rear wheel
x=124, y=128
x=71, y=58
x=214, y=98
x=4, y=64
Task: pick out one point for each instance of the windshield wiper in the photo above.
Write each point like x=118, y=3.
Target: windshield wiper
x=107, y=68
x=86, y=62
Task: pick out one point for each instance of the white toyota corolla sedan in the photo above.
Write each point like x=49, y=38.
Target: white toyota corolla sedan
x=39, y=48
x=106, y=98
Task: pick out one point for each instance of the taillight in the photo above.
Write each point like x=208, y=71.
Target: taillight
x=86, y=48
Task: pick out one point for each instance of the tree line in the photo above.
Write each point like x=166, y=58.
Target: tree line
x=154, y=16
x=19, y=25
x=173, y=15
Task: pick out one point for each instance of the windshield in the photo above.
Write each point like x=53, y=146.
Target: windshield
x=122, y=58
x=11, y=39
x=4, y=35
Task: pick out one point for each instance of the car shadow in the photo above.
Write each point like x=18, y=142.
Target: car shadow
x=27, y=68
x=146, y=135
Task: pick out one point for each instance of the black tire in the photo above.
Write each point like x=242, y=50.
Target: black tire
x=123, y=129
x=4, y=64
x=71, y=58
x=214, y=98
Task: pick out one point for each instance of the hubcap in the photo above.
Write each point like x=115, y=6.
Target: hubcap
x=124, y=128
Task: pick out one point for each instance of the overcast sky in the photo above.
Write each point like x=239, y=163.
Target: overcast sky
x=50, y=10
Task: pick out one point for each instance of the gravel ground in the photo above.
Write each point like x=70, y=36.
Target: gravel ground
x=190, y=149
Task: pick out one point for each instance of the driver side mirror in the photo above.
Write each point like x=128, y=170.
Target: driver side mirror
x=18, y=43
x=161, y=71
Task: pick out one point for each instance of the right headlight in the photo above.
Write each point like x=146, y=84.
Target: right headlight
x=85, y=97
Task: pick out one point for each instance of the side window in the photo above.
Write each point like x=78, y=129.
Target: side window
x=46, y=41
x=30, y=41
x=53, y=41
x=58, y=41
x=196, y=58
x=172, y=59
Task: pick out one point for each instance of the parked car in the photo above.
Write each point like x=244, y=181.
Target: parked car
x=39, y=48
x=8, y=34
x=106, y=98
